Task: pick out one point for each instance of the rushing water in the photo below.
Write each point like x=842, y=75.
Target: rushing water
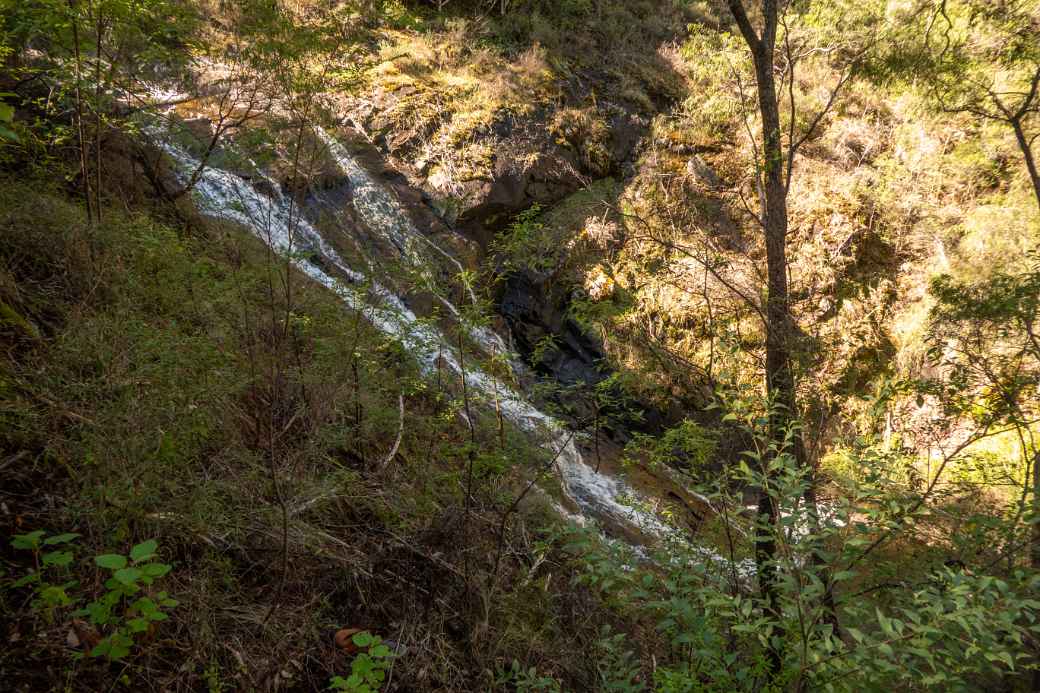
x=383, y=215
x=275, y=221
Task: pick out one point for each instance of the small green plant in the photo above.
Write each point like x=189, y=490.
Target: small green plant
x=528, y=244
x=368, y=670
x=120, y=608
x=527, y=680
x=125, y=611
x=618, y=667
x=51, y=558
x=6, y=119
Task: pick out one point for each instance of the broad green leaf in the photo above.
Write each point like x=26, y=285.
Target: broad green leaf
x=137, y=625
x=155, y=570
x=57, y=558
x=27, y=541
x=26, y=580
x=111, y=561
x=61, y=538
x=143, y=551
x=127, y=576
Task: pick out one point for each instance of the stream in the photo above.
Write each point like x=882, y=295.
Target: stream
x=273, y=218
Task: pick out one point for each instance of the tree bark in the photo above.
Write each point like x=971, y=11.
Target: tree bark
x=1027, y=154
x=79, y=112
x=781, y=385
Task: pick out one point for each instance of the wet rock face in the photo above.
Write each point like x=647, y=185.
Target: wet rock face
x=550, y=177
x=504, y=166
x=535, y=312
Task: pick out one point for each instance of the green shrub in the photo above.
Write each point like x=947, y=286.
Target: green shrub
x=368, y=670
x=128, y=608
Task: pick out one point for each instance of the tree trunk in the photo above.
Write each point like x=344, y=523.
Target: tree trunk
x=84, y=173
x=780, y=386
x=1027, y=154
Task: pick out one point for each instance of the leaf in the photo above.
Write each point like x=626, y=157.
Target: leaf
x=27, y=541
x=127, y=576
x=61, y=538
x=26, y=580
x=120, y=646
x=111, y=561
x=144, y=551
x=137, y=625
x=58, y=558
x=155, y=570
x=362, y=639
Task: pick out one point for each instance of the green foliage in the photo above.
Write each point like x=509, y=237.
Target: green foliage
x=714, y=60
x=121, y=610
x=940, y=627
x=618, y=667
x=52, y=557
x=368, y=670
x=527, y=680
x=528, y=243
x=399, y=15
x=126, y=611
x=687, y=445
x=985, y=336
x=6, y=116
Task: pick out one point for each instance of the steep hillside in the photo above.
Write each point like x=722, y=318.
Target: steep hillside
x=426, y=346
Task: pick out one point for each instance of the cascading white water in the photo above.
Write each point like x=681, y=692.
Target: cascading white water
x=383, y=215
x=223, y=195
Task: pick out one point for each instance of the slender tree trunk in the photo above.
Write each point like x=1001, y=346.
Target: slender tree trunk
x=79, y=112
x=1034, y=177
x=1034, y=548
x=1034, y=553
x=780, y=385
x=97, y=113
x=1027, y=154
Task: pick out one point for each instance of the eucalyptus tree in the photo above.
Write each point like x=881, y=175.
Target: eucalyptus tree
x=983, y=59
x=779, y=44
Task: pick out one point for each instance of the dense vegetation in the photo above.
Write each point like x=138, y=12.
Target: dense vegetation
x=584, y=345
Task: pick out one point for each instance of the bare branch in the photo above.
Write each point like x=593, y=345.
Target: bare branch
x=736, y=8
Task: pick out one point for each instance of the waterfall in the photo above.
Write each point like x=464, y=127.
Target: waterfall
x=382, y=214
x=223, y=195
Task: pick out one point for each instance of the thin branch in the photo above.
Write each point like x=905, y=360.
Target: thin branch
x=400, y=432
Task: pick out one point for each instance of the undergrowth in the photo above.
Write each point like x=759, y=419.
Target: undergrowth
x=146, y=395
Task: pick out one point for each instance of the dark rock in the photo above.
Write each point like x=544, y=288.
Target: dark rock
x=534, y=311
x=626, y=132
x=200, y=128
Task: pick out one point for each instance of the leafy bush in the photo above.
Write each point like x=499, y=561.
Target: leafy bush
x=368, y=670
x=126, y=610
x=828, y=623
x=687, y=445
